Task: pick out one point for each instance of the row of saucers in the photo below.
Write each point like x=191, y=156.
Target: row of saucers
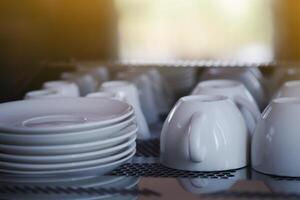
x=66, y=136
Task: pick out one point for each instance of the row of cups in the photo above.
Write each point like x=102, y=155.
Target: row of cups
x=145, y=90
x=220, y=127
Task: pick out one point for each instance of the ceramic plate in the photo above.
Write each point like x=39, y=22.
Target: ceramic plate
x=121, y=137
x=72, y=165
x=61, y=114
x=66, y=138
x=70, y=157
x=94, y=170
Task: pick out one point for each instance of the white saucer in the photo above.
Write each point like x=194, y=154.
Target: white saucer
x=69, y=157
x=95, y=170
x=65, y=138
x=121, y=137
x=61, y=114
x=66, y=166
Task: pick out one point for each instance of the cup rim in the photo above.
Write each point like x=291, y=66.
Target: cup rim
x=292, y=83
x=220, y=83
x=101, y=94
x=203, y=98
x=39, y=93
x=58, y=83
x=287, y=100
x=117, y=83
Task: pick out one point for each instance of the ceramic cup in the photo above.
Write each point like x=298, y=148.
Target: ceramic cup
x=150, y=110
x=100, y=74
x=86, y=82
x=289, y=89
x=245, y=76
x=67, y=88
x=238, y=93
x=146, y=93
x=163, y=97
x=275, y=143
x=128, y=92
x=204, y=133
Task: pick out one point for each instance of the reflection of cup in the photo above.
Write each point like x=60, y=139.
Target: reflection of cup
x=278, y=184
x=210, y=185
x=275, y=143
x=289, y=89
x=53, y=188
x=237, y=92
x=67, y=88
x=245, y=76
x=204, y=133
x=128, y=92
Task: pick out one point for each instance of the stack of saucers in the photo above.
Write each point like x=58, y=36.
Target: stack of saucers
x=66, y=136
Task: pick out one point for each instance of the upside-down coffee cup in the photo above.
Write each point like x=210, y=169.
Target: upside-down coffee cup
x=238, y=93
x=126, y=91
x=204, y=133
x=68, y=89
x=289, y=89
x=275, y=143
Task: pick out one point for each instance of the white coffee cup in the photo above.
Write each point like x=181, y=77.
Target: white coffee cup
x=128, y=92
x=204, y=133
x=163, y=96
x=245, y=76
x=86, y=83
x=146, y=95
x=275, y=143
x=69, y=89
x=237, y=92
x=289, y=89
x=101, y=74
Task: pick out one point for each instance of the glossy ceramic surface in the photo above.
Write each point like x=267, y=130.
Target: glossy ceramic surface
x=66, y=88
x=67, y=165
x=48, y=159
x=66, y=114
x=275, y=144
x=70, y=148
x=237, y=92
x=204, y=133
x=127, y=92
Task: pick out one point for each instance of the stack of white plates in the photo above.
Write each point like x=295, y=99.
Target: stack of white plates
x=66, y=136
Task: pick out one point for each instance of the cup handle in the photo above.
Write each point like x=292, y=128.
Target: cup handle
x=194, y=136
x=254, y=111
